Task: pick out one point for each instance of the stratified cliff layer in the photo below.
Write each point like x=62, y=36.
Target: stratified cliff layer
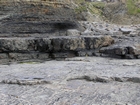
x=36, y=17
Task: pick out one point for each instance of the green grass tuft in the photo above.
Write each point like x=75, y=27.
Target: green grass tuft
x=132, y=8
x=93, y=7
x=80, y=9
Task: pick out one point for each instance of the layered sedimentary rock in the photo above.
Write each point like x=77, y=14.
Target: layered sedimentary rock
x=30, y=30
x=126, y=39
x=24, y=17
x=53, y=47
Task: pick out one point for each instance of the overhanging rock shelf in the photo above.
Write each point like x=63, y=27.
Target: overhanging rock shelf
x=56, y=47
x=27, y=48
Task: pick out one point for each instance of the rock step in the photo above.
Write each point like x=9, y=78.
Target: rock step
x=54, y=44
x=60, y=47
x=53, y=47
x=124, y=50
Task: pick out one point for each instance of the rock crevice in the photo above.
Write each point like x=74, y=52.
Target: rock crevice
x=104, y=79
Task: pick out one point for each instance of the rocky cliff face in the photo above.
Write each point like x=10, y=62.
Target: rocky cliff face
x=32, y=30
x=124, y=12
x=31, y=33
x=114, y=11
x=36, y=17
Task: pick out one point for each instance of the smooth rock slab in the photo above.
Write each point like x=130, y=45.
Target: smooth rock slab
x=126, y=30
x=80, y=81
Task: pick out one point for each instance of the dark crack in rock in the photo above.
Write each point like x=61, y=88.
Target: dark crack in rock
x=26, y=81
x=106, y=79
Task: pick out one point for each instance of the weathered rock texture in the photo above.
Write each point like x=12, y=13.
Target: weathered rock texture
x=33, y=31
x=75, y=81
x=126, y=39
x=55, y=47
x=35, y=17
x=26, y=26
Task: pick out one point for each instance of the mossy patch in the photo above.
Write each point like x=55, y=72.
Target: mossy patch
x=80, y=9
x=132, y=7
x=92, y=7
x=96, y=7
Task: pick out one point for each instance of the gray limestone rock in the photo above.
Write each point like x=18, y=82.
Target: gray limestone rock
x=73, y=32
x=28, y=56
x=79, y=81
x=126, y=48
x=134, y=49
x=126, y=30
x=32, y=48
x=17, y=44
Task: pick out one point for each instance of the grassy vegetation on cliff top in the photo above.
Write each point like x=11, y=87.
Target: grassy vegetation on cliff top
x=133, y=6
x=93, y=7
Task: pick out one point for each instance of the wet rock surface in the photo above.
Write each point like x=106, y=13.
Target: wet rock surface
x=80, y=81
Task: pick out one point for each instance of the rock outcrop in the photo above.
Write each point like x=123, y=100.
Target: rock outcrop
x=34, y=17
x=31, y=31
x=31, y=34
x=55, y=47
x=126, y=39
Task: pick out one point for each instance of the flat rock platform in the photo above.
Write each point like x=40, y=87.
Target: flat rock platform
x=75, y=81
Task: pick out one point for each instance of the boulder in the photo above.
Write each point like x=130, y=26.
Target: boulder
x=126, y=30
x=135, y=50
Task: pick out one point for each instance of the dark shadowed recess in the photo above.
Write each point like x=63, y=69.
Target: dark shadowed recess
x=31, y=18
x=36, y=27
